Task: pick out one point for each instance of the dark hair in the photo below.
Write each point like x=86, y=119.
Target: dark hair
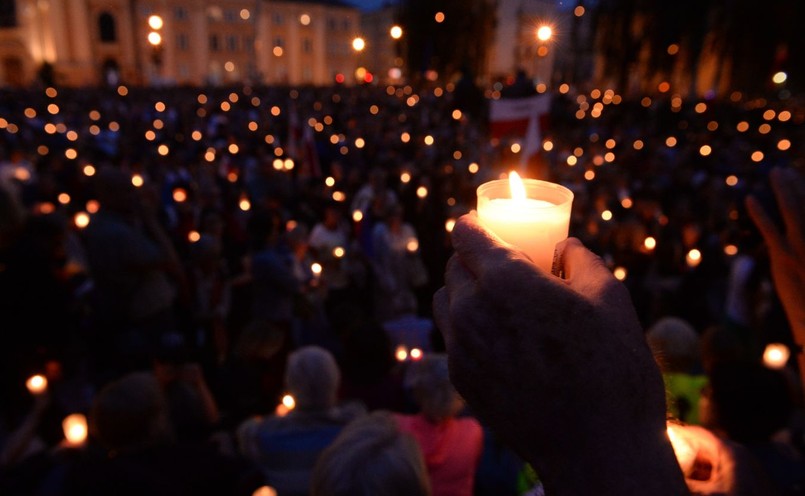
x=750, y=402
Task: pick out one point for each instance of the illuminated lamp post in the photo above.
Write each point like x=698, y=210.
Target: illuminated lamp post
x=155, y=40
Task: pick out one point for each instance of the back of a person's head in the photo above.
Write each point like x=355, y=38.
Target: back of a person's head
x=130, y=414
x=429, y=381
x=675, y=344
x=748, y=401
x=721, y=345
x=371, y=457
x=312, y=377
x=114, y=190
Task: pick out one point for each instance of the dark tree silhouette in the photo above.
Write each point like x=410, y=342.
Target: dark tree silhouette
x=756, y=39
x=461, y=40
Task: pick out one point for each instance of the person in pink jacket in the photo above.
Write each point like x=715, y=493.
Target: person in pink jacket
x=450, y=445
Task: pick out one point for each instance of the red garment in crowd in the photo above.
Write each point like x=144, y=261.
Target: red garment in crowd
x=451, y=450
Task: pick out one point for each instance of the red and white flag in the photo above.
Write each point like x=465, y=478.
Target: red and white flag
x=520, y=118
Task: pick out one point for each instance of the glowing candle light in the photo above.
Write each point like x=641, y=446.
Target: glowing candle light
x=412, y=245
x=265, y=491
x=75, y=429
x=401, y=354
x=693, y=258
x=287, y=404
x=338, y=252
x=650, y=243
x=357, y=216
x=776, y=356
x=36, y=384
x=685, y=454
x=619, y=273
x=316, y=269
x=416, y=354
x=530, y=214
x=81, y=220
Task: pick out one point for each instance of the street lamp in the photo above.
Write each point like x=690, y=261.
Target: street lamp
x=358, y=44
x=155, y=22
x=396, y=32
x=155, y=40
x=544, y=33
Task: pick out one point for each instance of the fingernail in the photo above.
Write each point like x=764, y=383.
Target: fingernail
x=556, y=265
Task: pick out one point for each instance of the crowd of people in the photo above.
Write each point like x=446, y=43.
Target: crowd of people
x=235, y=285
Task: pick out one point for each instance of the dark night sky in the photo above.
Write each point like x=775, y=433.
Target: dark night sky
x=368, y=4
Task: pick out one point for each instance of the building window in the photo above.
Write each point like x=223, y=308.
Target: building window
x=248, y=44
x=307, y=74
x=346, y=25
x=107, y=28
x=279, y=42
x=277, y=18
x=307, y=45
x=215, y=44
x=230, y=15
x=180, y=13
x=214, y=13
x=8, y=14
x=232, y=43
x=331, y=24
x=183, y=42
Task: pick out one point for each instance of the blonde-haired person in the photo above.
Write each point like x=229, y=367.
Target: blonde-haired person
x=451, y=445
x=371, y=457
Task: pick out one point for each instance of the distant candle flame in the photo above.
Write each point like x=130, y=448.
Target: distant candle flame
x=517, y=187
x=75, y=429
x=37, y=384
x=776, y=355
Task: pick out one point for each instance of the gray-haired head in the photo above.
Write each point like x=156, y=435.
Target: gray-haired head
x=429, y=380
x=675, y=344
x=312, y=377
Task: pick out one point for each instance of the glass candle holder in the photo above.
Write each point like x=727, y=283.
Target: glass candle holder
x=534, y=224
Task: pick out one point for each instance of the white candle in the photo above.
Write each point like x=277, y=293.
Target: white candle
x=532, y=215
x=684, y=451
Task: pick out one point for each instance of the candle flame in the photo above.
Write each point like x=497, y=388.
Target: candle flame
x=776, y=355
x=517, y=187
x=75, y=429
x=36, y=384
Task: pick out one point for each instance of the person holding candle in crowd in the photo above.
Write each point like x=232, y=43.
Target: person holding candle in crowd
x=136, y=274
x=560, y=368
x=286, y=447
x=392, y=265
x=450, y=445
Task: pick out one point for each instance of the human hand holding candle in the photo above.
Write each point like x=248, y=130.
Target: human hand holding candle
x=531, y=215
x=559, y=368
x=713, y=466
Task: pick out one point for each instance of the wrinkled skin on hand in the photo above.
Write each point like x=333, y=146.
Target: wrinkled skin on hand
x=786, y=249
x=559, y=368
